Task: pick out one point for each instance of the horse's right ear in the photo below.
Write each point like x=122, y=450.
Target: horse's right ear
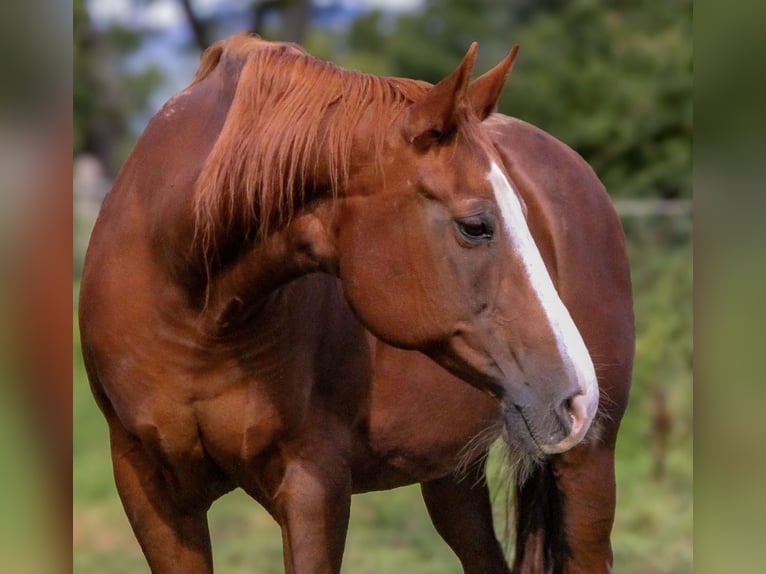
x=434, y=117
x=484, y=91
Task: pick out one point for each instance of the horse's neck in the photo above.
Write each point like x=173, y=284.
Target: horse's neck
x=242, y=290
x=277, y=339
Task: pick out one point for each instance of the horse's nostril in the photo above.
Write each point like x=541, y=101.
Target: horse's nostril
x=564, y=414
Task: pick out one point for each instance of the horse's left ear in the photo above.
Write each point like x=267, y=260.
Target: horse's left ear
x=432, y=118
x=484, y=92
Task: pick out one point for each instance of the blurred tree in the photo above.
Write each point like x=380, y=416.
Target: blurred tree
x=293, y=18
x=105, y=95
x=429, y=43
x=200, y=28
x=293, y=15
x=611, y=78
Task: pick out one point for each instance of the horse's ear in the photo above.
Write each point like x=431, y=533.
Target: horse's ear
x=484, y=92
x=432, y=118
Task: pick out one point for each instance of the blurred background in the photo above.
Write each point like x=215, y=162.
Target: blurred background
x=613, y=79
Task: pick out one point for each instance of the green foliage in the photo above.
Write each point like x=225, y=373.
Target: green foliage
x=661, y=256
x=427, y=45
x=653, y=526
x=612, y=79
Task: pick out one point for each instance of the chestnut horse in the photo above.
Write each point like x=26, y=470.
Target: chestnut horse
x=309, y=282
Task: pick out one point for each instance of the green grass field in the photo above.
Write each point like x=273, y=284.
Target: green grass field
x=390, y=531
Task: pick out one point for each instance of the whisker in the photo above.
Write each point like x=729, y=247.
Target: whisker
x=476, y=448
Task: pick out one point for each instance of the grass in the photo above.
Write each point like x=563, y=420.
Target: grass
x=390, y=531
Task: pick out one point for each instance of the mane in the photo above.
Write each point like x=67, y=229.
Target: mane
x=264, y=164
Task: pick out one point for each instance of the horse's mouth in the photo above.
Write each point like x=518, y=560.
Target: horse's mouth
x=518, y=433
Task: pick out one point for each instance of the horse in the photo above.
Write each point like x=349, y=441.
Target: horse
x=309, y=282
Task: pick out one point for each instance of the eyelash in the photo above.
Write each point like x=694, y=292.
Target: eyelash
x=475, y=229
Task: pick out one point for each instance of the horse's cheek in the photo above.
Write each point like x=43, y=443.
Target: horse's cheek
x=375, y=266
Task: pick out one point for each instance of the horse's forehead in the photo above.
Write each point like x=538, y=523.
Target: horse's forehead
x=462, y=169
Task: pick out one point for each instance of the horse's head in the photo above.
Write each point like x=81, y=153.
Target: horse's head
x=435, y=254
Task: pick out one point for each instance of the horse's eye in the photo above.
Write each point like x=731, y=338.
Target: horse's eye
x=475, y=228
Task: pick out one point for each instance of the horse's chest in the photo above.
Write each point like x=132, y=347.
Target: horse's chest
x=419, y=439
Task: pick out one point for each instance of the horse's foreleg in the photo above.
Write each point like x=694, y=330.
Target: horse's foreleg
x=462, y=514
x=586, y=480
x=565, y=512
x=312, y=505
x=173, y=538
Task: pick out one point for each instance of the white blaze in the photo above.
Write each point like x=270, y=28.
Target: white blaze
x=571, y=346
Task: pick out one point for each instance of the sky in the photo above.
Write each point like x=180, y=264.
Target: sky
x=166, y=49
x=161, y=14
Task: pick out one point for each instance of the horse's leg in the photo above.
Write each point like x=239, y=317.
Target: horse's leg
x=173, y=538
x=565, y=512
x=462, y=514
x=312, y=506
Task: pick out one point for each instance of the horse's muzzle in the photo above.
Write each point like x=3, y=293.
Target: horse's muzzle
x=544, y=431
x=580, y=411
